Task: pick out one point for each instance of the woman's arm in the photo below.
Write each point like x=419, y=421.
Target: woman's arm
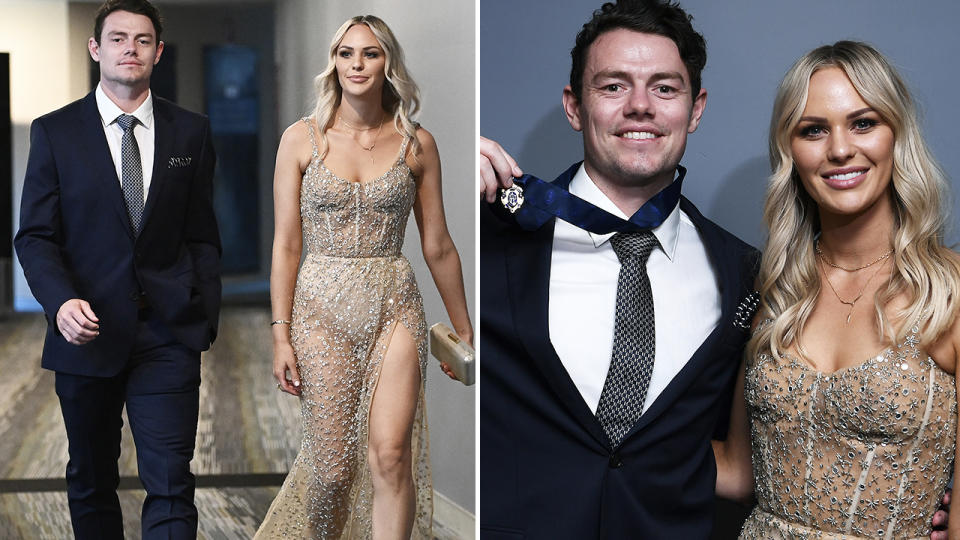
x=287, y=241
x=438, y=249
x=953, y=526
x=946, y=353
x=734, y=470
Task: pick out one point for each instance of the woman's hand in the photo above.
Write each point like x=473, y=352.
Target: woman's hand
x=497, y=169
x=465, y=335
x=446, y=369
x=285, y=368
x=941, y=519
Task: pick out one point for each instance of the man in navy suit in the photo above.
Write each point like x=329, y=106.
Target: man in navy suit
x=550, y=469
x=120, y=246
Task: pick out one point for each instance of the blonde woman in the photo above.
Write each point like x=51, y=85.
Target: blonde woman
x=848, y=399
x=349, y=331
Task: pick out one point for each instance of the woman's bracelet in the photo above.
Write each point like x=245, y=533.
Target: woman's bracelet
x=279, y=321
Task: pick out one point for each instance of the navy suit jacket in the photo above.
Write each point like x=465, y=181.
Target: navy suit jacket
x=547, y=468
x=75, y=239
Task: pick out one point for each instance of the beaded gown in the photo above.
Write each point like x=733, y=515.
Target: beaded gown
x=864, y=452
x=354, y=290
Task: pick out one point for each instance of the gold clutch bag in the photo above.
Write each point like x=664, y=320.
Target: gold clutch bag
x=447, y=347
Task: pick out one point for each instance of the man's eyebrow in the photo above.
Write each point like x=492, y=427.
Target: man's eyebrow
x=667, y=75
x=620, y=74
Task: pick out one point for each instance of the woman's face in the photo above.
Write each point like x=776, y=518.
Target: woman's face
x=360, y=62
x=842, y=148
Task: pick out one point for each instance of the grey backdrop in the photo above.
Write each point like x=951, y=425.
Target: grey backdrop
x=525, y=63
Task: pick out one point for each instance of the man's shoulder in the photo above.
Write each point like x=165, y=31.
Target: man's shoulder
x=70, y=112
x=743, y=255
x=717, y=233
x=498, y=226
x=176, y=113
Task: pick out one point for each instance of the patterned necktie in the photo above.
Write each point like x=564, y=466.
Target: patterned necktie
x=132, y=172
x=631, y=364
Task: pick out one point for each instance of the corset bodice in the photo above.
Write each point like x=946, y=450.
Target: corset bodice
x=864, y=451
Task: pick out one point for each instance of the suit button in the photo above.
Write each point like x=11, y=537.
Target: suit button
x=615, y=461
x=135, y=296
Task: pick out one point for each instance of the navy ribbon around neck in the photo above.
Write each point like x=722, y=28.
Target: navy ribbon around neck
x=542, y=201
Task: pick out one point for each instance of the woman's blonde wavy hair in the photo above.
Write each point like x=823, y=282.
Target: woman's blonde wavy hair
x=401, y=97
x=925, y=271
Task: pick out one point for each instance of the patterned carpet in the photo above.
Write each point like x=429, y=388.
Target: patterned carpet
x=247, y=436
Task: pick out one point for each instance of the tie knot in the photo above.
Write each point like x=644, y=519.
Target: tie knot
x=127, y=121
x=629, y=245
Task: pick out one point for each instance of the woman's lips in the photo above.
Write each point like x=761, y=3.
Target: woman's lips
x=846, y=178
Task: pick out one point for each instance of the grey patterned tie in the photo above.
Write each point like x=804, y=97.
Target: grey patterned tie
x=132, y=172
x=625, y=389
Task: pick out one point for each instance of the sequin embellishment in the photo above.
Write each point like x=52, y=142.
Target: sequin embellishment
x=864, y=452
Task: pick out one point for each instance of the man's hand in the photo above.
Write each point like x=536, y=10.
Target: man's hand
x=497, y=169
x=77, y=322
x=940, y=519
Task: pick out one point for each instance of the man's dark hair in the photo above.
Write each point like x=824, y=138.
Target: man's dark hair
x=663, y=18
x=140, y=7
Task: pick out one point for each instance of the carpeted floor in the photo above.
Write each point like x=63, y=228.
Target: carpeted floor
x=248, y=435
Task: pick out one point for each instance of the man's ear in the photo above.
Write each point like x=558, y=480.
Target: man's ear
x=571, y=106
x=94, y=49
x=159, y=52
x=696, y=113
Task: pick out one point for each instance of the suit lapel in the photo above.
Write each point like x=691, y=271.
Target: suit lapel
x=162, y=150
x=726, y=268
x=528, y=276
x=100, y=166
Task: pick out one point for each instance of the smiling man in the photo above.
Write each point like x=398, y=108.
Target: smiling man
x=610, y=334
x=120, y=246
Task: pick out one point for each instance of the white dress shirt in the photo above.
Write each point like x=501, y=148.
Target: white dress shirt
x=583, y=296
x=143, y=132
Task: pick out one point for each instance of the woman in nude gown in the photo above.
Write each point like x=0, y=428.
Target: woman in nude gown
x=847, y=403
x=349, y=331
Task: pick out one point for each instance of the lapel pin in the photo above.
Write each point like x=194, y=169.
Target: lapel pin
x=743, y=317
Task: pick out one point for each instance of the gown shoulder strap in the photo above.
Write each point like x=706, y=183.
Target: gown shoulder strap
x=313, y=138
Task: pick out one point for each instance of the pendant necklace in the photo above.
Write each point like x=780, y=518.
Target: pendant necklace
x=851, y=303
x=355, y=128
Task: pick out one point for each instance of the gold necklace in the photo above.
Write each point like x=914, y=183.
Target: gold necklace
x=377, y=136
x=823, y=258
x=851, y=303
x=357, y=128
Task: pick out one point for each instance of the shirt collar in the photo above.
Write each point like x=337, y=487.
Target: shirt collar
x=109, y=111
x=667, y=233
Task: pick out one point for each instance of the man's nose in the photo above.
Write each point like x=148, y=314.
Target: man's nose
x=638, y=102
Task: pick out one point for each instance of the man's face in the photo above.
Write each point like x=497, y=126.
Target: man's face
x=128, y=49
x=635, y=109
